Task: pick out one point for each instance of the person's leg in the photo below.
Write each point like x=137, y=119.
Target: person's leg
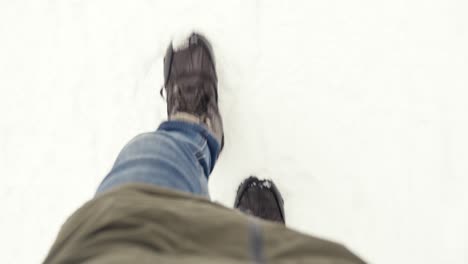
x=179, y=155
x=182, y=152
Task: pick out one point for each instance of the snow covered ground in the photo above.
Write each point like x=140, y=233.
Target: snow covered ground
x=357, y=109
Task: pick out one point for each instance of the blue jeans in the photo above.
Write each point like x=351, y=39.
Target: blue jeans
x=179, y=156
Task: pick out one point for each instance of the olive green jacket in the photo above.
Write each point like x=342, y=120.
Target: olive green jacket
x=145, y=224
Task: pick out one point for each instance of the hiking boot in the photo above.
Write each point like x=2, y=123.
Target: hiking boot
x=260, y=198
x=191, y=85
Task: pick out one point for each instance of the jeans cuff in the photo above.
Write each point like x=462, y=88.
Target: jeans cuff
x=187, y=127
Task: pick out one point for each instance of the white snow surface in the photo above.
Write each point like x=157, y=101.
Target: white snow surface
x=356, y=109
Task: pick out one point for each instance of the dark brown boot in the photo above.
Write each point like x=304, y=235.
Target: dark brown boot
x=191, y=85
x=260, y=198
